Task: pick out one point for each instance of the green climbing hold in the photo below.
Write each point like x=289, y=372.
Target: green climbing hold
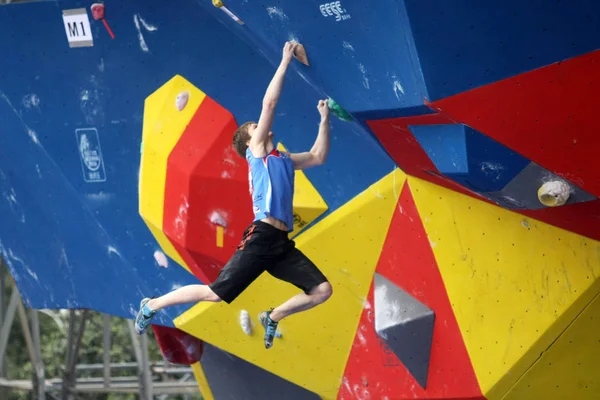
x=338, y=111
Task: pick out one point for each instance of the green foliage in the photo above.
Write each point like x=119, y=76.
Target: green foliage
x=54, y=327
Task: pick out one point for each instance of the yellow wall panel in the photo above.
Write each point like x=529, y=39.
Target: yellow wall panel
x=315, y=345
x=202, y=381
x=570, y=368
x=514, y=283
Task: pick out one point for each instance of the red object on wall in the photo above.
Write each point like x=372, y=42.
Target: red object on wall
x=549, y=115
x=396, y=137
x=97, y=11
x=373, y=371
x=206, y=188
x=580, y=218
x=546, y=115
x=177, y=346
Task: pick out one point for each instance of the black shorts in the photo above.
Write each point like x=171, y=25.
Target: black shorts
x=265, y=248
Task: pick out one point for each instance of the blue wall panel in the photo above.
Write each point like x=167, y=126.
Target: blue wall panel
x=365, y=60
x=469, y=157
x=86, y=240
x=57, y=250
x=445, y=144
x=491, y=164
x=85, y=243
x=463, y=44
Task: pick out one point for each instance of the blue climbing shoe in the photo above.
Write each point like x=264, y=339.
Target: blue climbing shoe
x=144, y=316
x=270, y=327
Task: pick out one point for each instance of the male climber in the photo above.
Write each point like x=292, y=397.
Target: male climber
x=265, y=245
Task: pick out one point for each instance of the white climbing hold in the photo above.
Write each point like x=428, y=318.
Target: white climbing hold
x=554, y=193
x=245, y=322
x=218, y=219
x=161, y=259
x=182, y=100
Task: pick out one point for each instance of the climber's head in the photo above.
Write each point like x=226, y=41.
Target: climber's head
x=242, y=136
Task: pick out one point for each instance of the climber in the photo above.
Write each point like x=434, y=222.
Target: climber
x=265, y=245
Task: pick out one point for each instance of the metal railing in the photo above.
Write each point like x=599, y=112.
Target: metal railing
x=150, y=379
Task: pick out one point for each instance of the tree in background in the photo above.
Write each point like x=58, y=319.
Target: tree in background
x=53, y=339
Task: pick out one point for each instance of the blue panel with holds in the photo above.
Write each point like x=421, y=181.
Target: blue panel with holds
x=83, y=236
x=360, y=53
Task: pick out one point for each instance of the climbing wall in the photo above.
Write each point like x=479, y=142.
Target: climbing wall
x=456, y=216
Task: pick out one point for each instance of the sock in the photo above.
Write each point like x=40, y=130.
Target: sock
x=270, y=320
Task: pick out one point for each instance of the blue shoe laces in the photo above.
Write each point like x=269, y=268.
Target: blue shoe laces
x=147, y=312
x=271, y=326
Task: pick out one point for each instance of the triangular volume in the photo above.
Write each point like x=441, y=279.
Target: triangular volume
x=230, y=377
x=177, y=346
x=518, y=192
x=373, y=370
x=405, y=325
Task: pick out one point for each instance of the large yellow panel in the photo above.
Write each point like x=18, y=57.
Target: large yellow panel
x=162, y=127
x=202, y=381
x=315, y=345
x=570, y=369
x=514, y=283
x=308, y=203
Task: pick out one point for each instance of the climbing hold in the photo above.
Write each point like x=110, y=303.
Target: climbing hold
x=98, y=13
x=217, y=219
x=338, y=111
x=245, y=322
x=405, y=325
x=221, y=5
x=182, y=100
x=300, y=54
x=161, y=259
x=554, y=193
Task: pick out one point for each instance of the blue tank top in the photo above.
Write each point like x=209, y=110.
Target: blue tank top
x=271, y=180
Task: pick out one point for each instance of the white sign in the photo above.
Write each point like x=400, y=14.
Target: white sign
x=77, y=27
x=334, y=8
